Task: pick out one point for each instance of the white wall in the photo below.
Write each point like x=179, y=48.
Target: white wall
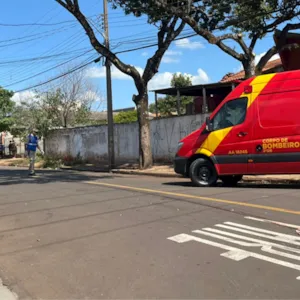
x=166, y=133
x=91, y=142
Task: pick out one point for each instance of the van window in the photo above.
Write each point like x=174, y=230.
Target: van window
x=230, y=114
x=279, y=110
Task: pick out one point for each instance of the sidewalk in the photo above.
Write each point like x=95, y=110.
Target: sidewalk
x=167, y=171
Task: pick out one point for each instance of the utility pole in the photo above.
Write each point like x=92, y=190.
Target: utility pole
x=110, y=119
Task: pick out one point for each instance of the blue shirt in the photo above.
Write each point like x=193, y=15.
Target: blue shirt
x=32, y=142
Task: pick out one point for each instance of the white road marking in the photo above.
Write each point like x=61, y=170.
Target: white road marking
x=6, y=294
x=261, y=242
x=264, y=231
x=280, y=239
x=245, y=244
x=239, y=254
x=273, y=222
x=265, y=248
x=234, y=253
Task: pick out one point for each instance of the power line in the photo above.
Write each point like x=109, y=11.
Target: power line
x=34, y=35
x=40, y=73
x=32, y=59
x=60, y=76
x=119, y=52
x=94, y=60
x=34, y=39
x=39, y=24
x=73, y=40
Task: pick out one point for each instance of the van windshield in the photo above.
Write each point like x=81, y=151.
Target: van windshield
x=230, y=114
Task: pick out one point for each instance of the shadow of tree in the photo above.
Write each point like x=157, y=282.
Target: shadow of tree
x=20, y=176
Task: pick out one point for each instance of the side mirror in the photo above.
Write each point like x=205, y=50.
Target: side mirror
x=209, y=124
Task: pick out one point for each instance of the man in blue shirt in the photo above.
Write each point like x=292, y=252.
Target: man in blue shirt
x=32, y=145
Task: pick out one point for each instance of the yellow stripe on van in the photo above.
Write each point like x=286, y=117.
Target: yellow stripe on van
x=258, y=84
x=214, y=139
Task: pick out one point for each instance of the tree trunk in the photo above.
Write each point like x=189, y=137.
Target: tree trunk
x=145, y=153
x=249, y=67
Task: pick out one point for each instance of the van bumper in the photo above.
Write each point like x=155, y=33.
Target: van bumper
x=180, y=164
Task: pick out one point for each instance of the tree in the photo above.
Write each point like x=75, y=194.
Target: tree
x=6, y=108
x=236, y=20
x=71, y=103
x=180, y=81
x=126, y=117
x=168, y=105
x=29, y=115
x=169, y=29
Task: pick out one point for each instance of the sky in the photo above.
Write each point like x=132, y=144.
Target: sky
x=39, y=40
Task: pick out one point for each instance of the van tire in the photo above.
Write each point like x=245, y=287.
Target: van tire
x=231, y=180
x=203, y=173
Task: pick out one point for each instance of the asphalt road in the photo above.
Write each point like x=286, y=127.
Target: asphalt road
x=68, y=235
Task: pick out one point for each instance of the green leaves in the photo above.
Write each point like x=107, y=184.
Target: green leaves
x=167, y=106
x=180, y=81
x=126, y=117
x=6, y=109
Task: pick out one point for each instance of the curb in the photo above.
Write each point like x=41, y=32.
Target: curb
x=245, y=180
x=97, y=170
x=271, y=180
x=132, y=172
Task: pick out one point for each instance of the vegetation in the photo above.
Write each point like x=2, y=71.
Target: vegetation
x=67, y=106
x=126, y=117
x=168, y=106
x=6, y=109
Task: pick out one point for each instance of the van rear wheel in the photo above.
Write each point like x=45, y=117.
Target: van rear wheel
x=203, y=173
x=231, y=180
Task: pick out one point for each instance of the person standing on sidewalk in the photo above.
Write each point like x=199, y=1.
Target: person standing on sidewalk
x=32, y=145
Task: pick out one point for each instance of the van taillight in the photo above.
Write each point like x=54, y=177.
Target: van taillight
x=248, y=89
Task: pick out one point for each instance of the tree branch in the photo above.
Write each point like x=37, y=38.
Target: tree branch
x=153, y=63
x=63, y=4
x=76, y=5
x=207, y=35
x=100, y=48
x=275, y=49
x=253, y=42
x=179, y=29
x=263, y=61
x=284, y=32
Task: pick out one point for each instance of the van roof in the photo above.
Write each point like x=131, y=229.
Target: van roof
x=282, y=76
x=283, y=81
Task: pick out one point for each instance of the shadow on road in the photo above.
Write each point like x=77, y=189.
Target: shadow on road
x=249, y=185
x=13, y=177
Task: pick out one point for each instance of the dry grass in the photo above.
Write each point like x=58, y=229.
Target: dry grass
x=19, y=162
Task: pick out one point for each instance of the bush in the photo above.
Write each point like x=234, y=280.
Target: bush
x=126, y=117
x=52, y=162
x=69, y=160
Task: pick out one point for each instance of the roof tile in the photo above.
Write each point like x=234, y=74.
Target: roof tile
x=241, y=75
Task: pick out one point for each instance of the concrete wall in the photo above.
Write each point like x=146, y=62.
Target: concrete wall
x=90, y=143
x=166, y=133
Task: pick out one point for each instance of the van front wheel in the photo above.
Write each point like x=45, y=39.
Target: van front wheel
x=203, y=173
x=231, y=180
